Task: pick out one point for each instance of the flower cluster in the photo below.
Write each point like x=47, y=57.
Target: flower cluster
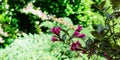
x=55, y=30
x=75, y=46
x=77, y=34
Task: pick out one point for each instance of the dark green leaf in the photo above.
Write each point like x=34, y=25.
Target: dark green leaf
x=96, y=6
x=95, y=34
x=116, y=14
x=88, y=43
x=94, y=26
x=106, y=9
x=64, y=36
x=115, y=4
x=102, y=4
x=107, y=27
x=100, y=29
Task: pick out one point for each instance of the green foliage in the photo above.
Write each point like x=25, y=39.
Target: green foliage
x=16, y=5
x=14, y=21
x=34, y=47
x=107, y=32
x=79, y=11
x=38, y=47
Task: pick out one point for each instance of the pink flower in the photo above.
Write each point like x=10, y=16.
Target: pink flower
x=81, y=35
x=54, y=39
x=77, y=34
x=78, y=43
x=75, y=46
x=79, y=28
x=56, y=30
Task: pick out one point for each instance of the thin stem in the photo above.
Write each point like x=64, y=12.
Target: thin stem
x=113, y=32
x=70, y=38
x=66, y=32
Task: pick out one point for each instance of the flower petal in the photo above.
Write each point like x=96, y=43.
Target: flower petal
x=79, y=28
x=81, y=35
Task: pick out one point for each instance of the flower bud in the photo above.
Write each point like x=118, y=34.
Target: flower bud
x=54, y=39
x=56, y=30
x=81, y=35
x=79, y=28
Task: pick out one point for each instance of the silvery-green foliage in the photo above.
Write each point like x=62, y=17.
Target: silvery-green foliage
x=38, y=47
x=30, y=47
x=35, y=47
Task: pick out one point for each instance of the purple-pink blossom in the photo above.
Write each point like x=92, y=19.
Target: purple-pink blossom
x=54, y=39
x=77, y=34
x=56, y=30
x=78, y=43
x=75, y=46
x=81, y=35
x=79, y=28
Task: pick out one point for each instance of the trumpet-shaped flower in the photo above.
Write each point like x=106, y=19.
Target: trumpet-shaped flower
x=56, y=30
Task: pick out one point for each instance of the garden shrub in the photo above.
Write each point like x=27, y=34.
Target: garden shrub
x=12, y=24
x=14, y=21
x=38, y=47
x=102, y=33
x=31, y=46
x=79, y=11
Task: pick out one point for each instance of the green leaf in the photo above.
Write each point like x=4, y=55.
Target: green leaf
x=88, y=43
x=64, y=36
x=102, y=4
x=47, y=24
x=100, y=29
x=95, y=34
x=115, y=4
x=96, y=6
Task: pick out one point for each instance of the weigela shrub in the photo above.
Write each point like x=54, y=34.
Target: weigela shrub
x=106, y=37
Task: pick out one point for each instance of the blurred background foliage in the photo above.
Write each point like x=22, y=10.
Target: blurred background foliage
x=14, y=22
